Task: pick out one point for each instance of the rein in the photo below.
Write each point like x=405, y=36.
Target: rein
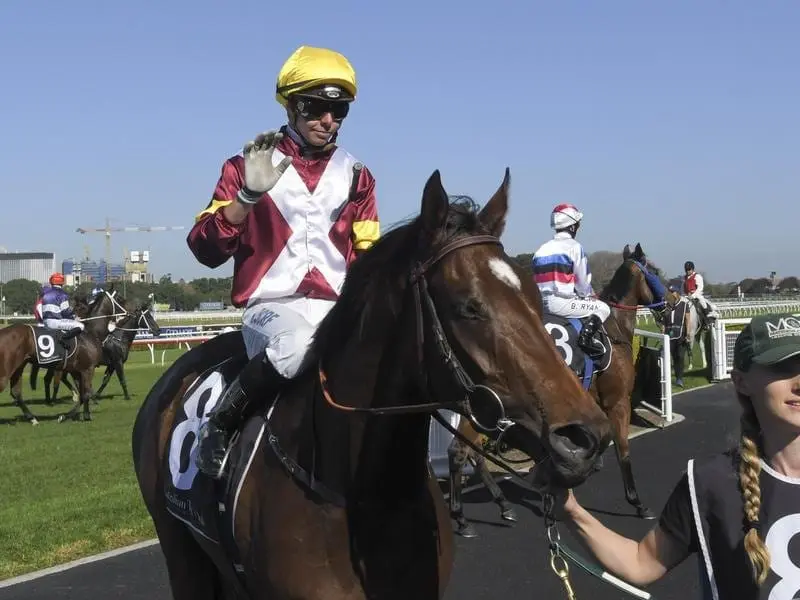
x=424, y=303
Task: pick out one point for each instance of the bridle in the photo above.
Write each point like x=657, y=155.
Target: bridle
x=423, y=304
x=658, y=308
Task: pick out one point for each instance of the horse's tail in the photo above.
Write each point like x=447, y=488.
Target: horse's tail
x=34, y=375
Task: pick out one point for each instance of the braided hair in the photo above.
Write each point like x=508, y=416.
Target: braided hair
x=749, y=476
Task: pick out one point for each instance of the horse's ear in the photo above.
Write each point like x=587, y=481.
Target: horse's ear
x=433, y=213
x=626, y=252
x=493, y=215
x=638, y=250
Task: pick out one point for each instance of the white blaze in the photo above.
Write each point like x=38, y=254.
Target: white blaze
x=505, y=273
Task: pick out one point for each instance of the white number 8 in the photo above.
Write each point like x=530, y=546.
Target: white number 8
x=181, y=479
x=47, y=345
x=777, y=541
x=561, y=341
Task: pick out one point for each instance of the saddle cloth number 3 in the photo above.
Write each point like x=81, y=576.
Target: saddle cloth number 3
x=197, y=408
x=561, y=340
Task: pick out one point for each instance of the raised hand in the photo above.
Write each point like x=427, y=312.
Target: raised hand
x=260, y=175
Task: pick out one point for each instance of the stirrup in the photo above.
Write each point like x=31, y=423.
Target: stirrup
x=220, y=474
x=211, y=467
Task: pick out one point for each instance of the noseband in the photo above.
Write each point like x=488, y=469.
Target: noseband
x=423, y=303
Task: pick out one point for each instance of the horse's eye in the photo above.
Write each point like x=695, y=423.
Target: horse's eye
x=470, y=309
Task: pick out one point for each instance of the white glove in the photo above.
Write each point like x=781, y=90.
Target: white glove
x=260, y=176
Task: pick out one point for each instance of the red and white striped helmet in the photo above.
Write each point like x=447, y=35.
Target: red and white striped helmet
x=564, y=215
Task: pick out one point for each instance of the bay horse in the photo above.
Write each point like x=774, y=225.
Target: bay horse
x=21, y=344
x=336, y=499
x=116, y=348
x=633, y=286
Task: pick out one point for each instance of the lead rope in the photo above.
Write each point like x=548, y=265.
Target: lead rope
x=558, y=563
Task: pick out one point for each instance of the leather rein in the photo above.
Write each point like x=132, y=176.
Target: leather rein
x=423, y=303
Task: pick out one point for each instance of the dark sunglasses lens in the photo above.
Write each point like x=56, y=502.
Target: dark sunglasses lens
x=311, y=108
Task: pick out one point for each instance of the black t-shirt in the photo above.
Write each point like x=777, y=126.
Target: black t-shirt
x=709, y=495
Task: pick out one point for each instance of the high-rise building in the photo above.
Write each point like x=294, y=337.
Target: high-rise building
x=94, y=271
x=36, y=266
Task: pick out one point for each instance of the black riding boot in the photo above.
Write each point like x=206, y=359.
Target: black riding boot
x=588, y=340
x=258, y=379
x=68, y=335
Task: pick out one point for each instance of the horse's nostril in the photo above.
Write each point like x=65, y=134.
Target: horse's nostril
x=574, y=439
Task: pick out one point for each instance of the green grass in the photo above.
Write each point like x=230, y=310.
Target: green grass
x=67, y=490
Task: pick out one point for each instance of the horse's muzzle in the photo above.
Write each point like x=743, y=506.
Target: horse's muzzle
x=575, y=450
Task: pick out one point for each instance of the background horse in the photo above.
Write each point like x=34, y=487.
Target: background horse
x=632, y=286
x=696, y=331
x=458, y=454
x=336, y=499
x=116, y=348
x=18, y=347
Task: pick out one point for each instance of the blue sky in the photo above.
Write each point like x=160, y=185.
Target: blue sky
x=676, y=124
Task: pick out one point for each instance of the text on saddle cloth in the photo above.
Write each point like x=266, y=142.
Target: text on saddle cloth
x=50, y=348
x=190, y=495
x=564, y=333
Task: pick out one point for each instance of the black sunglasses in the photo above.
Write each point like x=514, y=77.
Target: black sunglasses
x=315, y=108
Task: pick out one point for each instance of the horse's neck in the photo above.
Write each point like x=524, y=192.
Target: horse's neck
x=370, y=456
x=624, y=318
x=128, y=331
x=97, y=325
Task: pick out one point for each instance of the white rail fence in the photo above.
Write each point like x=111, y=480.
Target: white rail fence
x=726, y=308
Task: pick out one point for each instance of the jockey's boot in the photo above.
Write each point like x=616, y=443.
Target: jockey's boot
x=259, y=379
x=67, y=336
x=71, y=333
x=588, y=339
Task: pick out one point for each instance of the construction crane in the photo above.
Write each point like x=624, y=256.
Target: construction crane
x=108, y=229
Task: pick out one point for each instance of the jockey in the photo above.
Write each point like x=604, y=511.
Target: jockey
x=693, y=288
x=561, y=270
x=56, y=311
x=294, y=210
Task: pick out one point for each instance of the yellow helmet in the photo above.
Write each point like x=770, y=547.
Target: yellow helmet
x=309, y=68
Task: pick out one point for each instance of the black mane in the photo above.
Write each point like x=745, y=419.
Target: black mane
x=380, y=275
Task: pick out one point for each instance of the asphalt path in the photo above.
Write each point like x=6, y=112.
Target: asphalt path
x=504, y=561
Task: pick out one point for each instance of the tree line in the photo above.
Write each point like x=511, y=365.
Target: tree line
x=21, y=294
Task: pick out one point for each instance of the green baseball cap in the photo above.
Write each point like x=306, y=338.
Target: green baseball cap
x=767, y=340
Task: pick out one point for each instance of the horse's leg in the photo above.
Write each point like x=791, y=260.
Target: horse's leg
x=506, y=510
x=16, y=395
x=72, y=413
x=56, y=377
x=49, y=391
x=85, y=390
x=456, y=459
x=119, y=367
x=106, y=378
x=620, y=415
x=63, y=377
x=192, y=574
x=34, y=375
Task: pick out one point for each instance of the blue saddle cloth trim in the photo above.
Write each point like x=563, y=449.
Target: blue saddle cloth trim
x=588, y=363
